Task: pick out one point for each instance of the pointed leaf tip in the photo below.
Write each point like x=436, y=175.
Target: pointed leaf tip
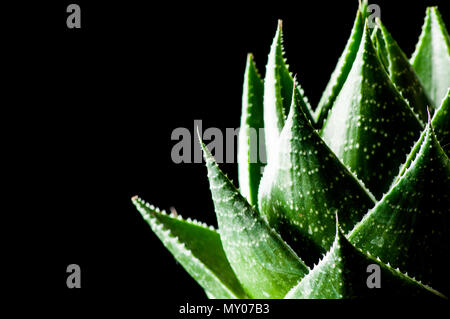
x=362, y=126
x=402, y=74
x=278, y=88
x=341, y=70
x=297, y=194
x=265, y=265
x=431, y=59
x=251, y=142
x=412, y=218
x=341, y=274
x=197, y=248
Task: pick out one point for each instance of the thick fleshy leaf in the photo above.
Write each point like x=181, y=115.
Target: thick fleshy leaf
x=409, y=227
x=278, y=84
x=431, y=59
x=402, y=73
x=264, y=264
x=305, y=185
x=362, y=128
x=197, y=248
x=341, y=71
x=343, y=274
x=441, y=123
x=251, y=144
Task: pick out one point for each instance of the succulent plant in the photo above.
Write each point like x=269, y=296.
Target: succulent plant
x=364, y=180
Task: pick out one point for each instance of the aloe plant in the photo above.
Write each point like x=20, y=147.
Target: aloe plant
x=362, y=181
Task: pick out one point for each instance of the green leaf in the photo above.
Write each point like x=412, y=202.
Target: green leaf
x=250, y=164
x=380, y=47
x=278, y=84
x=402, y=74
x=343, y=274
x=303, y=187
x=409, y=227
x=197, y=248
x=362, y=128
x=341, y=70
x=264, y=264
x=431, y=59
x=363, y=7
x=441, y=123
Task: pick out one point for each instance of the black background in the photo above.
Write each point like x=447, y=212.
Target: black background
x=95, y=109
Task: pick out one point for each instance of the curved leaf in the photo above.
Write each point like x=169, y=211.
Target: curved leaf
x=197, y=248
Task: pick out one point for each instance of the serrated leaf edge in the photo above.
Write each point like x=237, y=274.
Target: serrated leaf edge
x=157, y=226
x=375, y=259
